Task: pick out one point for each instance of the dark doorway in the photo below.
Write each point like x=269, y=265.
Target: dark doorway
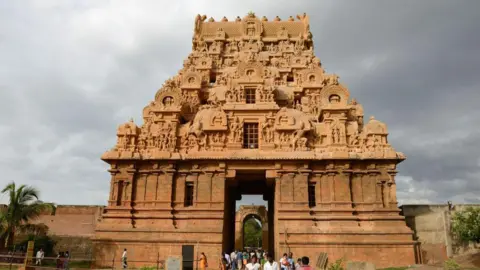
x=187, y=257
x=247, y=183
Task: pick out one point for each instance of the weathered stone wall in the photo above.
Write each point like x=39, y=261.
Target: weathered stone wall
x=72, y=227
x=432, y=227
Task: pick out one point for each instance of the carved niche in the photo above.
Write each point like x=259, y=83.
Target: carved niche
x=375, y=134
x=312, y=78
x=252, y=27
x=191, y=80
x=250, y=72
x=335, y=95
x=126, y=136
x=168, y=98
x=282, y=33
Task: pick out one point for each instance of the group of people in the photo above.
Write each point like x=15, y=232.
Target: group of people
x=61, y=260
x=257, y=260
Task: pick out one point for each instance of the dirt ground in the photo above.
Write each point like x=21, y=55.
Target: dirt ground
x=470, y=260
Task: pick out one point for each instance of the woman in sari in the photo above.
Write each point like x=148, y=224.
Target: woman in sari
x=203, y=261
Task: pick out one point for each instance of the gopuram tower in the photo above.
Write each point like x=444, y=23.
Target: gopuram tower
x=253, y=112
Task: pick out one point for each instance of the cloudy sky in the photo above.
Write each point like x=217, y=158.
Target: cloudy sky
x=71, y=71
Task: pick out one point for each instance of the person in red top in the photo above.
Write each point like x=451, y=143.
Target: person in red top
x=305, y=266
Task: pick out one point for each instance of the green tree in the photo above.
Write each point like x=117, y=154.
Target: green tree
x=23, y=206
x=466, y=224
x=252, y=232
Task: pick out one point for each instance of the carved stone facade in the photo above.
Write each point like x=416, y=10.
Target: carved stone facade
x=252, y=111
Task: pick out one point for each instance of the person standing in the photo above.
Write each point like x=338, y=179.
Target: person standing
x=40, y=255
x=291, y=261
x=227, y=257
x=124, y=259
x=233, y=259
x=239, y=260
x=270, y=264
x=298, y=265
x=305, y=264
x=203, y=261
x=223, y=264
x=66, y=259
x=284, y=263
x=253, y=264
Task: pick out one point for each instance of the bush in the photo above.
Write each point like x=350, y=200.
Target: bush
x=337, y=265
x=450, y=264
x=148, y=268
x=466, y=224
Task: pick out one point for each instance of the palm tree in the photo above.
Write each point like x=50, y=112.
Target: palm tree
x=23, y=207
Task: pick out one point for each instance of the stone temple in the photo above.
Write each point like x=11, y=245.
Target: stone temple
x=252, y=111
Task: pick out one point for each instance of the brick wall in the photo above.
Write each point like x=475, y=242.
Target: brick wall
x=72, y=227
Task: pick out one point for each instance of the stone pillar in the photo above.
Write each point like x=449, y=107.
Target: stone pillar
x=301, y=183
x=193, y=177
x=130, y=188
x=317, y=179
x=276, y=202
x=113, y=188
x=286, y=189
x=180, y=189
x=218, y=190
x=140, y=188
x=369, y=189
x=357, y=193
x=343, y=198
x=167, y=184
x=392, y=189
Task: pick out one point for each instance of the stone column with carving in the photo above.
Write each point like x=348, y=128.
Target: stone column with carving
x=392, y=188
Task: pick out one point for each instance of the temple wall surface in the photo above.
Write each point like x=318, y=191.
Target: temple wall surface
x=431, y=224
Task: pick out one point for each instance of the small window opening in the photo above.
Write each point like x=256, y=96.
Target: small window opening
x=250, y=96
x=213, y=79
x=119, y=193
x=290, y=78
x=188, y=194
x=250, y=135
x=311, y=195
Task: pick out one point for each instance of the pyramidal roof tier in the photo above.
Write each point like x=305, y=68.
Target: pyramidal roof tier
x=252, y=89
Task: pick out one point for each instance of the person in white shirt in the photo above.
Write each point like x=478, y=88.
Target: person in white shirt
x=227, y=257
x=270, y=264
x=124, y=259
x=39, y=257
x=253, y=264
x=233, y=259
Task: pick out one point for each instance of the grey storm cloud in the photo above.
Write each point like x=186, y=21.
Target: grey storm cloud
x=71, y=71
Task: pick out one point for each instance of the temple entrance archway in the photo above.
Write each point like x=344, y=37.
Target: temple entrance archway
x=245, y=213
x=248, y=182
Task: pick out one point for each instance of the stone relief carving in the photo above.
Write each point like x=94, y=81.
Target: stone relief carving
x=309, y=109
